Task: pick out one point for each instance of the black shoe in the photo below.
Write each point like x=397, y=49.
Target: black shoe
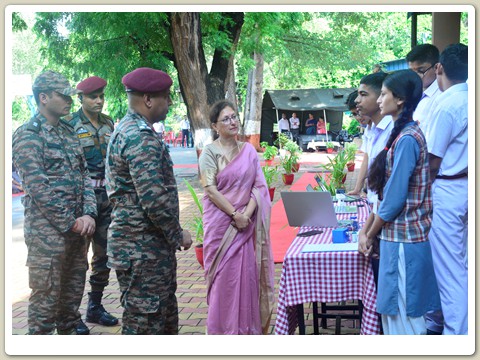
x=431, y=332
x=97, y=314
x=81, y=328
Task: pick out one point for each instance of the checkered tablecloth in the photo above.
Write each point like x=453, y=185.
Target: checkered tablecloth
x=325, y=277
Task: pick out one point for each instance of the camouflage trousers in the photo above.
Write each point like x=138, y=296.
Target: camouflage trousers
x=148, y=297
x=100, y=271
x=57, y=283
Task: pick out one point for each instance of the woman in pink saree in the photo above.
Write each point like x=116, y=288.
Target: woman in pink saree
x=238, y=260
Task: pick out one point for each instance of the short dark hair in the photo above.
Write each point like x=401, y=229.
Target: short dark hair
x=374, y=80
x=454, y=60
x=36, y=94
x=424, y=53
x=351, y=100
x=217, y=108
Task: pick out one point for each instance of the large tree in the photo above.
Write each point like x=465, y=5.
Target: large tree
x=112, y=44
x=200, y=87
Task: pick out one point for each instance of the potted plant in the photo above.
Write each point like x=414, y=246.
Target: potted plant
x=290, y=147
x=337, y=169
x=287, y=164
x=330, y=147
x=271, y=175
x=197, y=224
x=269, y=153
x=351, y=150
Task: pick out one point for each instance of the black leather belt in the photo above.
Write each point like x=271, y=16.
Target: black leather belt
x=452, y=177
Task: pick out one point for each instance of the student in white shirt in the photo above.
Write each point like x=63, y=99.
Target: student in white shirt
x=422, y=59
x=447, y=142
x=368, y=93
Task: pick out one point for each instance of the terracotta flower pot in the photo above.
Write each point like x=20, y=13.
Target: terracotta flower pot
x=288, y=178
x=269, y=162
x=272, y=193
x=351, y=166
x=344, y=178
x=329, y=150
x=199, y=254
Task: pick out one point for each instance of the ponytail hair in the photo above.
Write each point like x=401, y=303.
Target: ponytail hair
x=405, y=85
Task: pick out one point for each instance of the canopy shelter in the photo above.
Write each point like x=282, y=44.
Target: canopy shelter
x=327, y=102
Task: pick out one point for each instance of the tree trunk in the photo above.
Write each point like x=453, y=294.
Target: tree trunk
x=199, y=88
x=253, y=106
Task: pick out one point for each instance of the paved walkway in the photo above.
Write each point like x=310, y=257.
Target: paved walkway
x=191, y=292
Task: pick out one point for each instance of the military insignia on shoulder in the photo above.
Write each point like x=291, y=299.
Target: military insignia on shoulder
x=142, y=125
x=34, y=125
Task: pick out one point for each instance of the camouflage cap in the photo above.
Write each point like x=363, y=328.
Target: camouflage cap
x=51, y=80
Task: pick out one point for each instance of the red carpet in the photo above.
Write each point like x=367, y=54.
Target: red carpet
x=281, y=234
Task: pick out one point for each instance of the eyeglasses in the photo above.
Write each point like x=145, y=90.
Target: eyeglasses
x=422, y=73
x=354, y=115
x=228, y=120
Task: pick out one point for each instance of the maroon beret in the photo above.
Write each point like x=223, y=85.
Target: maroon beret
x=91, y=84
x=147, y=80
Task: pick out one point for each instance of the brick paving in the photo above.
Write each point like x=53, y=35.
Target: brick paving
x=191, y=291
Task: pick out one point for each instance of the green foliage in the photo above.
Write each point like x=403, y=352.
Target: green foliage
x=270, y=151
x=329, y=145
x=351, y=151
x=291, y=152
x=336, y=166
x=20, y=112
x=353, y=127
x=18, y=24
x=197, y=220
x=271, y=174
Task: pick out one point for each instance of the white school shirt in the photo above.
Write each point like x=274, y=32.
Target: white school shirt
x=424, y=107
x=447, y=133
x=379, y=138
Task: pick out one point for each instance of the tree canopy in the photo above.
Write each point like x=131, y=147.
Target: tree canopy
x=209, y=53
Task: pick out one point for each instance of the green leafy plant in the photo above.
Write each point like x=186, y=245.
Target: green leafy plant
x=271, y=174
x=351, y=150
x=336, y=167
x=353, y=127
x=197, y=220
x=291, y=152
x=329, y=145
x=270, y=151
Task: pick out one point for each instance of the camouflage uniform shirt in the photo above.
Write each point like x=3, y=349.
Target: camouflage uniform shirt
x=94, y=141
x=56, y=180
x=142, y=187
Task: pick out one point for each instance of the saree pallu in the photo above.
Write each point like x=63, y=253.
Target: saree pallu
x=239, y=266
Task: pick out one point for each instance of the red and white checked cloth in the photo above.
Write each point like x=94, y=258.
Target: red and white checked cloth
x=325, y=277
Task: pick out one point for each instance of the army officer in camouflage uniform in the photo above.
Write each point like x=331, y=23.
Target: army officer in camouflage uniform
x=60, y=208
x=94, y=130
x=145, y=230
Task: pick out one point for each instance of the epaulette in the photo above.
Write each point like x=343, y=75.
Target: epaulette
x=142, y=125
x=34, y=125
x=67, y=123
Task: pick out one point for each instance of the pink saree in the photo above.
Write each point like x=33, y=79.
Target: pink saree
x=239, y=266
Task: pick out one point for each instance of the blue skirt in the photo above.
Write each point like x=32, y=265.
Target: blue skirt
x=422, y=293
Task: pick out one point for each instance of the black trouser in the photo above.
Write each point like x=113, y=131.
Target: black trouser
x=185, y=137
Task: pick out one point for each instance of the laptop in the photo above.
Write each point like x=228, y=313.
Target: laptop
x=340, y=209
x=305, y=208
